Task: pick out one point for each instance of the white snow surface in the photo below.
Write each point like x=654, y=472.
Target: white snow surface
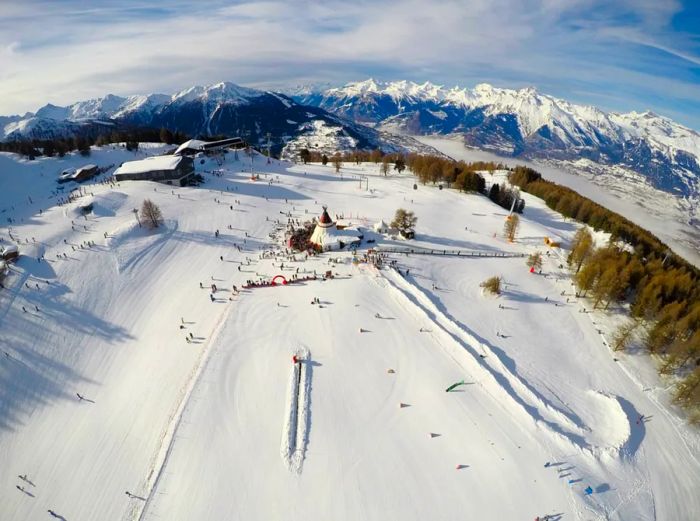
x=197, y=430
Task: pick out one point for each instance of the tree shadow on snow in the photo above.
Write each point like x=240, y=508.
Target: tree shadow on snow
x=28, y=380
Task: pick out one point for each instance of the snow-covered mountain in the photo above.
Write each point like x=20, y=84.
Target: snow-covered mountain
x=222, y=108
x=525, y=123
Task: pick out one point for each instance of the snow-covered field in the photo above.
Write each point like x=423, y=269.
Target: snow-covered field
x=226, y=427
x=673, y=219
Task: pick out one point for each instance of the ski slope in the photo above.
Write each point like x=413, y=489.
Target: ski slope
x=225, y=426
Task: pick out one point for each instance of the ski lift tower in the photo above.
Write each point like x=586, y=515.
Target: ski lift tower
x=366, y=180
x=249, y=148
x=512, y=206
x=268, y=148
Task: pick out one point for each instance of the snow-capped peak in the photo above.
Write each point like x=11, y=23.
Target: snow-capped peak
x=219, y=92
x=96, y=108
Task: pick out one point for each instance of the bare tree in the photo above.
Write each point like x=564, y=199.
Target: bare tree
x=337, y=162
x=385, y=165
x=151, y=215
x=404, y=221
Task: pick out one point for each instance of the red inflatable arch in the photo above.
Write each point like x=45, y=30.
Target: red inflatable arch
x=274, y=280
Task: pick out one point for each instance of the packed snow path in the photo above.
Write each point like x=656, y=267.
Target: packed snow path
x=124, y=375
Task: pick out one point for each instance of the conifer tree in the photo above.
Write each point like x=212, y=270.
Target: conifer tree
x=581, y=248
x=510, y=229
x=534, y=260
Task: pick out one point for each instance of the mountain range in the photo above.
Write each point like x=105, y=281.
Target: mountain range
x=525, y=123
x=514, y=123
x=220, y=109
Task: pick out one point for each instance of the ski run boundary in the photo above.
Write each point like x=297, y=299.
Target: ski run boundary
x=167, y=441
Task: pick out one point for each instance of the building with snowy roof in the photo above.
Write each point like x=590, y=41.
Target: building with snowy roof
x=327, y=236
x=172, y=170
x=86, y=172
x=381, y=227
x=194, y=146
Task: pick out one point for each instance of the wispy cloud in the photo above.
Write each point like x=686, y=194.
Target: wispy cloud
x=623, y=54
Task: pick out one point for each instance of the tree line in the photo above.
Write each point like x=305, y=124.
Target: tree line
x=34, y=148
x=466, y=177
x=661, y=288
x=356, y=156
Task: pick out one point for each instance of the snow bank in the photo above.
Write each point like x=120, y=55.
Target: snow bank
x=296, y=416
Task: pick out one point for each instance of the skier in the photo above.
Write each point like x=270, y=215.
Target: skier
x=80, y=397
x=211, y=296
x=221, y=257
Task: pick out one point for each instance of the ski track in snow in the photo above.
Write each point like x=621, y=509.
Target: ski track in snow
x=497, y=378
x=297, y=415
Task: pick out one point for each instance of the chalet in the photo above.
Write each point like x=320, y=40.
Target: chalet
x=85, y=172
x=195, y=146
x=171, y=170
x=9, y=252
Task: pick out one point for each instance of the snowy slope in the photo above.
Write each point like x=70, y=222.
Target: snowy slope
x=195, y=430
x=674, y=220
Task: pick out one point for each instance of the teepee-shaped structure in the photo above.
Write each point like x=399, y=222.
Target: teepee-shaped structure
x=327, y=236
x=324, y=233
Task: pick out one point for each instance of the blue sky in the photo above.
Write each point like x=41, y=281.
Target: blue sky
x=619, y=55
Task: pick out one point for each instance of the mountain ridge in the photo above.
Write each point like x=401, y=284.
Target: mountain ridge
x=513, y=123
x=199, y=111
x=525, y=123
